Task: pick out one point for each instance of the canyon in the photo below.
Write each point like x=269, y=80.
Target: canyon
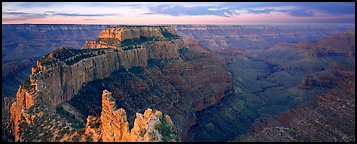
x=326, y=118
x=23, y=45
x=28, y=42
x=272, y=81
x=182, y=83
x=51, y=82
x=251, y=37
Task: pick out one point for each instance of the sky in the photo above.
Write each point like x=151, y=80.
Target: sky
x=178, y=12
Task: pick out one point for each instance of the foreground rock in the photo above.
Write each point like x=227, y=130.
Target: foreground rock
x=112, y=126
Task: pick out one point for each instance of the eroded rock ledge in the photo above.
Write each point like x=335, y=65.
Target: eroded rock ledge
x=198, y=77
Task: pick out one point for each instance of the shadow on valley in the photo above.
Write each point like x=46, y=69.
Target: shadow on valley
x=262, y=90
x=272, y=81
x=133, y=90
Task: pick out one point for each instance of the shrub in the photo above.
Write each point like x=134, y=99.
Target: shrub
x=88, y=138
x=69, y=117
x=135, y=41
x=184, y=51
x=75, y=138
x=136, y=70
x=169, y=36
x=167, y=132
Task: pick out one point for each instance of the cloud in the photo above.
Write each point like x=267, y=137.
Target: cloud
x=266, y=10
x=78, y=14
x=50, y=11
x=115, y=4
x=235, y=8
x=89, y=19
x=301, y=13
x=92, y=11
x=40, y=4
x=22, y=16
x=214, y=9
x=11, y=9
x=234, y=12
x=307, y=8
x=331, y=7
x=14, y=13
x=18, y=16
x=178, y=10
x=149, y=13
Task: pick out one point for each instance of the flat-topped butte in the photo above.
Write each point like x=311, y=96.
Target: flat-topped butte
x=131, y=37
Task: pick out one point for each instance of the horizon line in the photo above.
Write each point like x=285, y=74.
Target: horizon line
x=189, y=24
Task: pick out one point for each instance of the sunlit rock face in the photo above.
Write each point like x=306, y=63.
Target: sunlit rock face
x=188, y=77
x=112, y=126
x=115, y=36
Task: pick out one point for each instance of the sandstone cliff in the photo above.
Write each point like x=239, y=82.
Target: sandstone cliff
x=112, y=125
x=186, y=76
x=38, y=124
x=117, y=37
x=53, y=74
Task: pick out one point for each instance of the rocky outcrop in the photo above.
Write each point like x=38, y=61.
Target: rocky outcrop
x=53, y=74
x=113, y=37
x=59, y=75
x=92, y=128
x=25, y=98
x=115, y=126
x=189, y=80
x=112, y=126
x=124, y=32
x=57, y=78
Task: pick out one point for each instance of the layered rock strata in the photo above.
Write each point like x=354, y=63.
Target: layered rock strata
x=195, y=73
x=113, y=37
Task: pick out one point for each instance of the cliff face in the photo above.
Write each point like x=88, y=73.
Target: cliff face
x=38, y=124
x=198, y=76
x=58, y=81
x=25, y=98
x=123, y=33
x=188, y=76
x=115, y=126
x=64, y=71
x=112, y=126
x=53, y=74
x=115, y=36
